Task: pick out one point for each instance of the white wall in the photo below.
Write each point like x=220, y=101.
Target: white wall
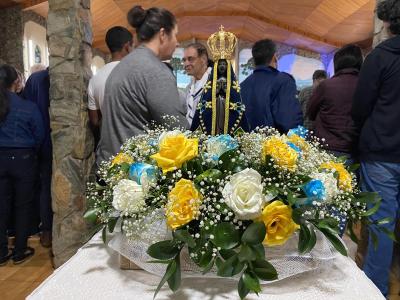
x=34, y=36
x=97, y=63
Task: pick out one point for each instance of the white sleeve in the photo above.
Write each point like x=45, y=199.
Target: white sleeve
x=92, y=103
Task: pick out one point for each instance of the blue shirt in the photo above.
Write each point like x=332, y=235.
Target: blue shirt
x=23, y=125
x=270, y=99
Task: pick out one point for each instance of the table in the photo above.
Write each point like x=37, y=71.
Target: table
x=94, y=273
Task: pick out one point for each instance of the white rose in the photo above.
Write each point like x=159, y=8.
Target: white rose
x=244, y=194
x=128, y=197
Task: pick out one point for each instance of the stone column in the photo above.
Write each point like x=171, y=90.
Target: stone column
x=11, y=37
x=70, y=37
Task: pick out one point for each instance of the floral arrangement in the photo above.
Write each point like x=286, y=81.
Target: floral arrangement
x=227, y=199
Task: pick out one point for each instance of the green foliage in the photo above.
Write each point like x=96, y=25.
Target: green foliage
x=254, y=234
x=164, y=250
x=91, y=215
x=226, y=236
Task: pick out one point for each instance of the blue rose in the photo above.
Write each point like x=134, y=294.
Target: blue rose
x=299, y=130
x=315, y=191
x=138, y=171
x=218, y=145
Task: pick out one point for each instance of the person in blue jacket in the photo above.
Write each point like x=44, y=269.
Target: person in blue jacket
x=21, y=135
x=37, y=90
x=270, y=96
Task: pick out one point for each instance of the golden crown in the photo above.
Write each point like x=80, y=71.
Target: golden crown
x=222, y=44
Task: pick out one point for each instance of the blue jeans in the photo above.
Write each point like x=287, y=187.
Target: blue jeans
x=384, y=178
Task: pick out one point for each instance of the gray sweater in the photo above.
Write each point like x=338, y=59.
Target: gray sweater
x=139, y=90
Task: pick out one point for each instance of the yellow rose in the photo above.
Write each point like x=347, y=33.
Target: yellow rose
x=183, y=204
x=282, y=153
x=174, y=150
x=277, y=217
x=344, y=175
x=122, y=158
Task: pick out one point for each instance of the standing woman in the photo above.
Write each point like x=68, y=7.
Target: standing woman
x=21, y=133
x=142, y=89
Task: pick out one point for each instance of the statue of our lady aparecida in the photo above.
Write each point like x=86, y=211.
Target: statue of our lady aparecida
x=220, y=110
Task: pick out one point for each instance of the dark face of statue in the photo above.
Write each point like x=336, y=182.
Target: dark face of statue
x=222, y=67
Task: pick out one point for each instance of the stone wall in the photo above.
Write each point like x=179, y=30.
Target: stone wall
x=70, y=37
x=11, y=37
x=29, y=15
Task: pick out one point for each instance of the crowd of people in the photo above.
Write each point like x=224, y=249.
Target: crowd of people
x=354, y=113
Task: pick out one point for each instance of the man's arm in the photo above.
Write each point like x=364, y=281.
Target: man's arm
x=286, y=108
x=93, y=107
x=314, y=103
x=367, y=90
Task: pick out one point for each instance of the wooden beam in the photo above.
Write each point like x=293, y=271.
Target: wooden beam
x=264, y=19
x=29, y=3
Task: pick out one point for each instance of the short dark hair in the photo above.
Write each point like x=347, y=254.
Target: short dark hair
x=117, y=37
x=389, y=11
x=320, y=74
x=200, y=49
x=148, y=22
x=8, y=75
x=349, y=56
x=263, y=51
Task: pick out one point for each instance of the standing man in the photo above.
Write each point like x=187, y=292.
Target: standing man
x=376, y=112
x=120, y=43
x=37, y=90
x=307, y=92
x=195, y=60
x=269, y=95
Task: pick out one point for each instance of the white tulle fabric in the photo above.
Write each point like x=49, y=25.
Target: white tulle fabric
x=285, y=258
x=94, y=273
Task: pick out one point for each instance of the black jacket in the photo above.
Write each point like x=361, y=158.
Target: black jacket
x=376, y=104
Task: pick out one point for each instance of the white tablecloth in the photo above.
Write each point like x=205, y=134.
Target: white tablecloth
x=93, y=273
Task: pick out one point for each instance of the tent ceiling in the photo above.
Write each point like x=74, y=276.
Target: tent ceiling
x=319, y=25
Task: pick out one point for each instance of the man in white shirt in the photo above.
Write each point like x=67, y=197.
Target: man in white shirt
x=120, y=42
x=196, y=62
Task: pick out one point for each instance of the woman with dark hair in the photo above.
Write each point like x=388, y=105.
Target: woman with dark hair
x=21, y=133
x=142, y=89
x=330, y=105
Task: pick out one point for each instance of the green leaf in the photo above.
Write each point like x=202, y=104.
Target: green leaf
x=171, y=269
x=91, y=215
x=242, y=289
x=264, y=270
x=254, y=234
x=251, y=282
x=368, y=197
x=313, y=240
x=163, y=250
x=354, y=167
x=226, y=268
x=174, y=282
x=227, y=253
x=372, y=211
x=304, y=238
x=111, y=224
x=206, y=258
x=383, y=221
x=237, y=267
x=209, y=266
x=226, y=236
x=389, y=233
x=335, y=241
x=351, y=232
x=374, y=239
x=184, y=236
x=259, y=250
x=209, y=175
x=329, y=223
x=104, y=234
x=125, y=167
x=246, y=253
